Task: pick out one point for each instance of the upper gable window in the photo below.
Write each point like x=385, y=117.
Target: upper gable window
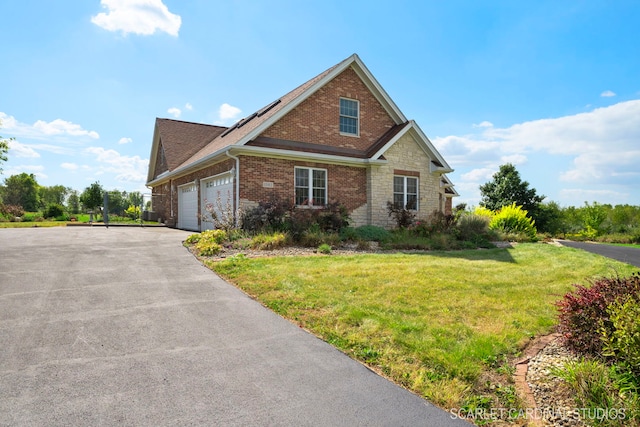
x=349, y=117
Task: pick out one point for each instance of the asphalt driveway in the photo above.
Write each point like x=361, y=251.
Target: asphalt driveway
x=123, y=326
x=620, y=253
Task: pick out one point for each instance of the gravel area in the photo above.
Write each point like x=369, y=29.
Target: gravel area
x=554, y=400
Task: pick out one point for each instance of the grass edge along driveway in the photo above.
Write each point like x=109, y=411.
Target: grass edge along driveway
x=442, y=324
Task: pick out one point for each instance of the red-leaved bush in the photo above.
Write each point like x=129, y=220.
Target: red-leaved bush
x=583, y=312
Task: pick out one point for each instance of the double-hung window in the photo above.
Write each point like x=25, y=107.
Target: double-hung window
x=349, y=117
x=311, y=186
x=405, y=192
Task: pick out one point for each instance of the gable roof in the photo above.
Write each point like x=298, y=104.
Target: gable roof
x=244, y=135
x=179, y=140
x=252, y=126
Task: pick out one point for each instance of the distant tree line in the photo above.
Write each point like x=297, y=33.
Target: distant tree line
x=590, y=221
x=23, y=191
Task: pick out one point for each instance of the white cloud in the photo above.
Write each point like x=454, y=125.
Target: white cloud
x=476, y=175
x=125, y=168
x=18, y=149
x=484, y=124
x=37, y=170
x=124, y=140
x=59, y=126
x=45, y=130
x=228, y=112
x=514, y=159
x=143, y=17
x=577, y=196
x=607, y=94
x=188, y=106
x=175, y=112
x=69, y=166
x=597, y=148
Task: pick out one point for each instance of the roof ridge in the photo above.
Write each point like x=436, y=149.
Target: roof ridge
x=191, y=123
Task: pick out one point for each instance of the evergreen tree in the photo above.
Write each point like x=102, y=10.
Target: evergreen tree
x=506, y=188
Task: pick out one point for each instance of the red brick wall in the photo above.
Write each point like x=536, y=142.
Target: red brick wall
x=317, y=119
x=345, y=184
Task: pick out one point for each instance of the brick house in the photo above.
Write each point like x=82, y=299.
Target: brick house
x=337, y=137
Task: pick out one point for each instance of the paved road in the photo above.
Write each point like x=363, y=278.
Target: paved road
x=620, y=253
x=123, y=326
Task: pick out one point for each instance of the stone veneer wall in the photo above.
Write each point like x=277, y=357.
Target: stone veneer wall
x=404, y=155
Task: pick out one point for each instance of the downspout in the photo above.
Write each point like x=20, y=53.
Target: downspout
x=237, y=182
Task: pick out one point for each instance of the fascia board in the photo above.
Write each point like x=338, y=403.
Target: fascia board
x=392, y=141
x=378, y=91
x=155, y=144
x=298, y=155
x=431, y=149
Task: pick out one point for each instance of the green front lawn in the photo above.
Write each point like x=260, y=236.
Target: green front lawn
x=442, y=324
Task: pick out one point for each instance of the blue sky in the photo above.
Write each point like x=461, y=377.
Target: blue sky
x=552, y=87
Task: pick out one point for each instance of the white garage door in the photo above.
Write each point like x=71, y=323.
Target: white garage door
x=188, y=207
x=217, y=194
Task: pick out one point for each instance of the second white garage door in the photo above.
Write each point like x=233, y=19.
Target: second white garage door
x=217, y=194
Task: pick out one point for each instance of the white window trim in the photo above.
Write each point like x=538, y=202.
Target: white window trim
x=357, y=134
x=310, y=187
x=404, y=191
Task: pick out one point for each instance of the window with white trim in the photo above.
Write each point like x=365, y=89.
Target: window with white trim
x=349, y=117
x=310, y=186
x=405, y=192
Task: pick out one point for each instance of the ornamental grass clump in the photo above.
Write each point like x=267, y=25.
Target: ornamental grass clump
x=269, y=241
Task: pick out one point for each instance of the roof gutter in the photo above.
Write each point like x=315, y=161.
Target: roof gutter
x=266, y=152
x=237, y=183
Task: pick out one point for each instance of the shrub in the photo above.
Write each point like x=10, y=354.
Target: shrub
x=209, y=242
x=314, y=237
x=372, y=233
x=11, y=211
x=277, y=215
x=482, y=211
x=403, y=217
x=324, y=249
x=583, y=315
x=217, y=236
x=436, y=222
x=208, y=248
x=271, y=214
x=622, y=343
x=53, y=210
x=30, y=217
x=132, y=212
x=513, y=219
x=349, y=234
x=333, y=218
x=271, y=241
x=222, y=215
x=192, y=239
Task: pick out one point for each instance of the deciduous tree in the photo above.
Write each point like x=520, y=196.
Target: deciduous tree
x=21, y=190
x=92, y=196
